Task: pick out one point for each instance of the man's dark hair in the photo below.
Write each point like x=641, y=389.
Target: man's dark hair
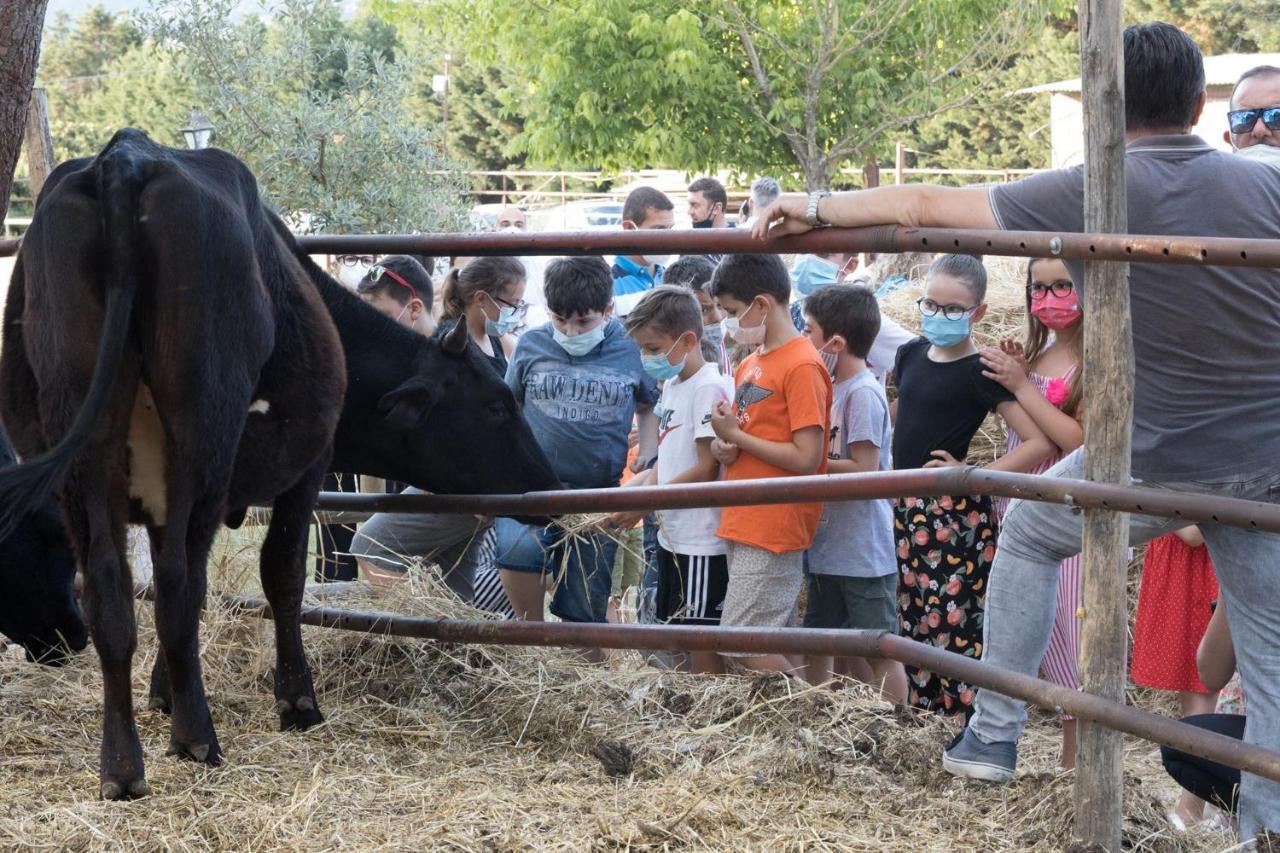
x=1163, y=77
x=1255, y=71
x=850, y=311
x=640, y=201
x=966, y=268
x=668, y=310
x=577, y=285
x=744, y=277
x=712, y=189
x=691, y=271
x=407, y=268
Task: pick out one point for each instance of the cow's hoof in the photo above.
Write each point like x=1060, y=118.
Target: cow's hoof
x=159, y=703
x=298, y=715
x=205, y=753
x=115, y=789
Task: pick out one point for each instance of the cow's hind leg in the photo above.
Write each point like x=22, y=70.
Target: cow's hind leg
x=284, y=575
x=180, y=591
x=108, y=598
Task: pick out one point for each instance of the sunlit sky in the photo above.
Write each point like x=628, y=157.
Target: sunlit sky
x=74, y=8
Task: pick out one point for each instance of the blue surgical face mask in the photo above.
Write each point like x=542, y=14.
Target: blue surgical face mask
x=580, y=345
x=942, y=332
x=660, y=366
x=812, y=272
x=508, y=320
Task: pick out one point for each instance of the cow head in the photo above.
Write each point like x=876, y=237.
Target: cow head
x=38, y=608
x=455, y=406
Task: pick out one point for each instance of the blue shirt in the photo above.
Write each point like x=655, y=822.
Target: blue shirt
x=630, y=282
x=580, y=408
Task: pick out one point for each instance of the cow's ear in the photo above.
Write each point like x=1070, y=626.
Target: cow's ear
x=408, y=406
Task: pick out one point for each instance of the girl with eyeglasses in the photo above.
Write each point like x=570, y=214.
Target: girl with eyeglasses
x=945, y=543
x=1043, y=372
x=488, y=295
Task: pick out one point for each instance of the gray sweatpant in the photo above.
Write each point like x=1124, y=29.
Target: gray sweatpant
x=1036, y=537
x=459, y=544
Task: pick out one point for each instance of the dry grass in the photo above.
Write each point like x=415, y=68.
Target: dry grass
x=428, y=746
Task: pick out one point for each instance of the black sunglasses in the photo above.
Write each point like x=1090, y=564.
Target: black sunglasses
x=1242, y=121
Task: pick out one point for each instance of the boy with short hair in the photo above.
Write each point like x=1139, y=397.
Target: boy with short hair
x=645, y=209
x=853, y=572
x=580, y=383
x=776, y=427
x=692, y=569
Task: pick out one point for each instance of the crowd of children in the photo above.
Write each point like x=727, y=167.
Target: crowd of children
x=726, y=372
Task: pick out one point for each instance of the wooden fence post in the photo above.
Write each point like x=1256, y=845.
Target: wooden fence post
x=1108, y=372
x=899, y=164
x=40, y=159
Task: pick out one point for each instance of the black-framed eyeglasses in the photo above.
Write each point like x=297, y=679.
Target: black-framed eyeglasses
x=352, y=260
x=1242, y=121
x=929, y=308
x=1061, y=287
x=521, y=308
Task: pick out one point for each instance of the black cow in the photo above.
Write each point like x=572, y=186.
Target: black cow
x=38, y=608
x=215, y=386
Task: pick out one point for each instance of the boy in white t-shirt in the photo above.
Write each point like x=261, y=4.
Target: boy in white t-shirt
x=692, y=571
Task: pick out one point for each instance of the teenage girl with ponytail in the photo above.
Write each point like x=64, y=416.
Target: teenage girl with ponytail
x=488, y=295
x=1044, y=375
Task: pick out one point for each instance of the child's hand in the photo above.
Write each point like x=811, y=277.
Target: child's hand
x=1007, y=369
x=1013, y=347
x=724, y=422
x=942, y=459
x=625, y=519
x=725, y=452
x=637, y=465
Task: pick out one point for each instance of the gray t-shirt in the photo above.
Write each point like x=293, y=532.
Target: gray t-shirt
x=1206, y=339
x=580, y=408
x=855, y=538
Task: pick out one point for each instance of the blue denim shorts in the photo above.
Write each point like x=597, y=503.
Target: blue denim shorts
x=581, y=568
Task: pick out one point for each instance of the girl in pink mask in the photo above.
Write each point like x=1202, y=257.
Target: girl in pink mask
x=1044, y=374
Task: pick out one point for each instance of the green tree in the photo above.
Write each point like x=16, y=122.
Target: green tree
x=320, y=118
x=763, y=85
x=1218, y=26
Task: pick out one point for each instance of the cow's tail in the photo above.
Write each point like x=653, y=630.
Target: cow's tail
x=120, y=177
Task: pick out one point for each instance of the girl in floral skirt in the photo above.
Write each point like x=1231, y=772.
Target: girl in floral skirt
x=946, y=543
x=1044, y=375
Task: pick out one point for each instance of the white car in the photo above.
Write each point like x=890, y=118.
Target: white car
x=587, y=215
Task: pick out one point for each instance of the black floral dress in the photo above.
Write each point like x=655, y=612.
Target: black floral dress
x=945, y=548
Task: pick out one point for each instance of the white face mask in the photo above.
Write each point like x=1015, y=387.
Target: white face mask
x=353, y=275
x=746, y=335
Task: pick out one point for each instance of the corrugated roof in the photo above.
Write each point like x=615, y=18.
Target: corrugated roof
x=1222, y=70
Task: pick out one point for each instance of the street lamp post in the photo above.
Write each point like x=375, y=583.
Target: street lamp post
x=198, y=130
x=440, y=85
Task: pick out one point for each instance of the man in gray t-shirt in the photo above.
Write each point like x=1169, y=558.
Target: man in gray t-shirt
x=1207, y=373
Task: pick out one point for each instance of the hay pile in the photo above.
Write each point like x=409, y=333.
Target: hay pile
x=443, y=747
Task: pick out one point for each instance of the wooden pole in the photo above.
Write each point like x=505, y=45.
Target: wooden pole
x=1108, y=376
x=40, y=159
x=899, y=164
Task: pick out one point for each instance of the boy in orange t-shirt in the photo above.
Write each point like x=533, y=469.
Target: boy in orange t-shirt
x=776, y=427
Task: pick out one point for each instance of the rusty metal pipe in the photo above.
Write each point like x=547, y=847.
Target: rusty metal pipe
x=1215, y=747
x=1205, y=251
x=884, y=484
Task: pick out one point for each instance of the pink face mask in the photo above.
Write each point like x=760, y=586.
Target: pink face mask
x=1056, y=312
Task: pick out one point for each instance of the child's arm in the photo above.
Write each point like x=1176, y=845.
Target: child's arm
x=864, y=458
x=627, y=518
x=1190, y=535
x=1011, y=372
x=802, y=455
x=647, y=424
x=705, y=470
x=1035, y=447
x=1216, y=657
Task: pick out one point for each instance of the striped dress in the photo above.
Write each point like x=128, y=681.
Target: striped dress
x=1060, y=664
